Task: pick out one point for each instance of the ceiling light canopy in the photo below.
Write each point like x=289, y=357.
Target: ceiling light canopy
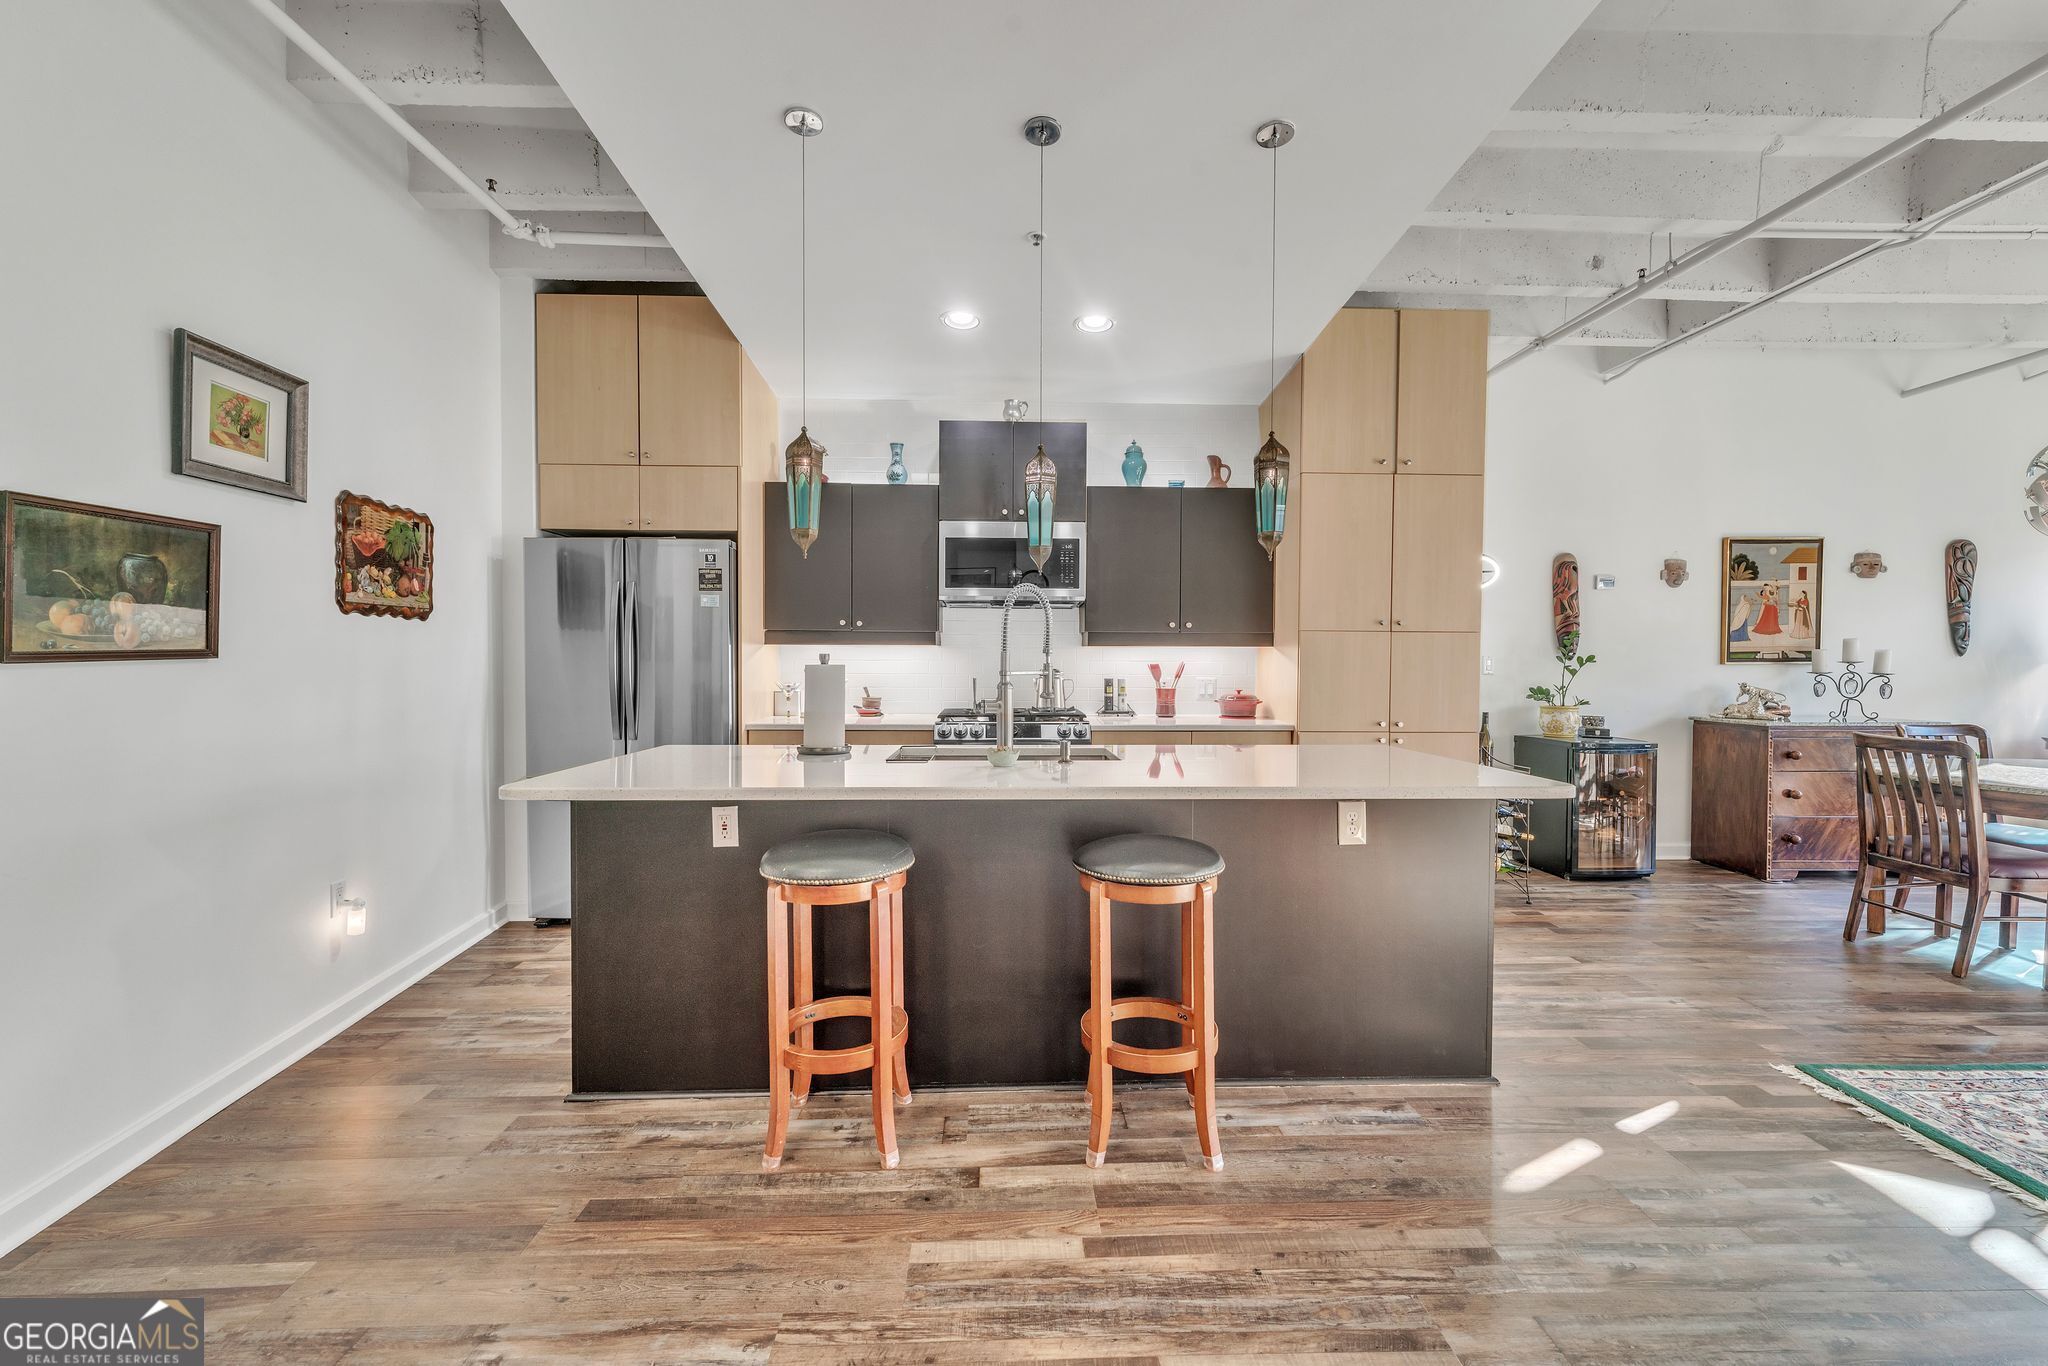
x=1094, y=322
x=960, y=319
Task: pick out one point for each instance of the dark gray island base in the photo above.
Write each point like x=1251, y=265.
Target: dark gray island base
x=1331, y=961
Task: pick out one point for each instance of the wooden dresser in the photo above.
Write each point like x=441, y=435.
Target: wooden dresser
x=1775, y=799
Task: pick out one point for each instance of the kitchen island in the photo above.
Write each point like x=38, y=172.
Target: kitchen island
x=1332, y=960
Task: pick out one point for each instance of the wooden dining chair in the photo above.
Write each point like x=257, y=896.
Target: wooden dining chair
x=1995, y=830
x=1921, y=819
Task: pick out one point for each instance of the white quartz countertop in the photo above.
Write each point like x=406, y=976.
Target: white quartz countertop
x=1166, y=772
x=924, y=720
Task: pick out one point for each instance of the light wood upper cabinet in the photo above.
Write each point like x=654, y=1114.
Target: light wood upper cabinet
x=1438, y=523
x=1344, y=678
x=1348, y=393
x=689, y=498
x=1442, y=391
x=586, y=379
x=690, y=384
x=1435, y=682
x=589, y=498
x=1345, y=523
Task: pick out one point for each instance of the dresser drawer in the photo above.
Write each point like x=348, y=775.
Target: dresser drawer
x=1813, y=751
x=1805, y=841
x=1816, y=792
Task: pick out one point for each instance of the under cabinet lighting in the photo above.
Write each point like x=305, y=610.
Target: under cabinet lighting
x=960, y=320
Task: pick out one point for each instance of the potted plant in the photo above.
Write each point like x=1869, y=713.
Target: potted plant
x=1559, y=708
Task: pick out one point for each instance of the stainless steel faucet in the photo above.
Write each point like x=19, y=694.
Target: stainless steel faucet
x=1006, y=711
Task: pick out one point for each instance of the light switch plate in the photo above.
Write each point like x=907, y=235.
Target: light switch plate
x=725, y=827
x=1351, y=822
x=1602, y=582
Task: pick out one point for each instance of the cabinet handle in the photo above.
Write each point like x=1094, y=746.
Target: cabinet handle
x=1379, y=739
x=842, y=621
x=1187, y=626
x=631, y=522
x=1383, y=621
x=1006, y=512
x=1790, y=838
x=1399, y=741
x=1399, y=622
x=1381, y=724
x=1399, y=724
x=632, y=455
x=1794, y=754
x=1408, y=461
x=1794, y=793
x=1383, y=460
x=1171, y=626
x=860, y=623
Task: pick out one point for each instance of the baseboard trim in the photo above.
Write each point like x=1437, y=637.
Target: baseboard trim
x=43, y=1202
x=1674, y=853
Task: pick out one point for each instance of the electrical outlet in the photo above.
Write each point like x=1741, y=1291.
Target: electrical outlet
x=1486, y=664
x=1351, y=822
x=725, y=827
x=1205, y=689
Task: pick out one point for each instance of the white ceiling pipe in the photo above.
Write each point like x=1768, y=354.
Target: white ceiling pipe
x=1708, y=251
x=513, y=226
x=1931, y=228
x=1990, y=369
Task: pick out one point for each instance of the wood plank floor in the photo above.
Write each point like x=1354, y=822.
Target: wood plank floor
x=416, y=1190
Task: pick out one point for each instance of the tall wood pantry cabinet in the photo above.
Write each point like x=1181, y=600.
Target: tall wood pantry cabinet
x=1376, y=587
x=643, y=407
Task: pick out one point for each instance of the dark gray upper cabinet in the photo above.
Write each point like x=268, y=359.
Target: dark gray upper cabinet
x=1134, y=562
x=896, y=558
x=981, y=469
x=872, y=574
x=1176, y=565
x=1226, y=581
x=974, y=471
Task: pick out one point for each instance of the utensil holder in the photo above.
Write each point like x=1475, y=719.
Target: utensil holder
x=1163, y=702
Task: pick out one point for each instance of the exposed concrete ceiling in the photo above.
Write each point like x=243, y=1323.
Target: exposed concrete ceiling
x=922, y=188
x=1664, y=122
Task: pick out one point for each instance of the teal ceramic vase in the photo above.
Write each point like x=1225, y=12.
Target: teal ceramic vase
x=1134, y=464
x=897, y=474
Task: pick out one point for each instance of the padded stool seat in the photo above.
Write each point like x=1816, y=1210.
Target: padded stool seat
x=2021, y=836
x=1149, y=860
x=836, y=858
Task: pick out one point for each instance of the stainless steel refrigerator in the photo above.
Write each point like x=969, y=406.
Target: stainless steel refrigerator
x=629, y=645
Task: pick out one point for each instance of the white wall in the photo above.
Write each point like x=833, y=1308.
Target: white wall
x=168, y=829
x=1176, y=438
x=1703, y=444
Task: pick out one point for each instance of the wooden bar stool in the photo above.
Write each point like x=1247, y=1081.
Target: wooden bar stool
x=1152, y=870
x=835, y=868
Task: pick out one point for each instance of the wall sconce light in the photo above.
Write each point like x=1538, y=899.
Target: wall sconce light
x=354, y=911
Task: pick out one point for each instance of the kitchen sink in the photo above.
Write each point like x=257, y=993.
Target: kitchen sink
x=917, y=754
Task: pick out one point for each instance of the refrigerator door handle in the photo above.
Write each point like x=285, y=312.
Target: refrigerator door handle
x=614, y=635
x=631, y=652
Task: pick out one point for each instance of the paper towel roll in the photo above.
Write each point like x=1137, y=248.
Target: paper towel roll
x=824, y=706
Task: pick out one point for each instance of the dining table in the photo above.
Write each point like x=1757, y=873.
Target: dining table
x=2015, y=789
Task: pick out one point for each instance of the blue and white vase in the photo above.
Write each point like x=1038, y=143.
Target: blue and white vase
x=897, y=474
x=1134, y=464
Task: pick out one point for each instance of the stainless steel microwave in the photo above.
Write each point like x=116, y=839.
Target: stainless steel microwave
x=980, y=562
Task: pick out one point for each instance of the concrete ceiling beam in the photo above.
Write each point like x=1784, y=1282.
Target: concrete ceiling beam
x=465, y=53
x=512, y=257
x=1792, y=84
x=528, y=169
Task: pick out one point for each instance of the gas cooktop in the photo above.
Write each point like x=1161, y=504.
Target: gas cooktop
x=1042, y=725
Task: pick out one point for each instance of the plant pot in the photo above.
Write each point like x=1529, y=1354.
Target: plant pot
x=1560, y=723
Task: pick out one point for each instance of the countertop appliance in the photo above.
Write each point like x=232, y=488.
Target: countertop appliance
x=629, y=645
x=1035, y=725
x=980, y=562
x=1608, y=828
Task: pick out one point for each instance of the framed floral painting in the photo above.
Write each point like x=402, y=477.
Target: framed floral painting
x=88, y=582
x=383, y=559
x=235, y=420
x=1770, y=598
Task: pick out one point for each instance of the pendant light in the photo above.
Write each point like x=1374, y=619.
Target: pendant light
x=1041, y=476
x=1269, y=467
x=803, y=463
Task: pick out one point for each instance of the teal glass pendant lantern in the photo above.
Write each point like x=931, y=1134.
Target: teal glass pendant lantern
x=1270, y=466
x=1041, y=484
x=803, y=470
x=803, y=461
x=1269, y=492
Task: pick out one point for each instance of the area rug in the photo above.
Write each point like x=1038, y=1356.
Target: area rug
x=1992, y=1116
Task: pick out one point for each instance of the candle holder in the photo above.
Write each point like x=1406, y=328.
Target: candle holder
x=1850, y=683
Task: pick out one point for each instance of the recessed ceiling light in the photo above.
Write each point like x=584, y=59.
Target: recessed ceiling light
x=960, y=320
x=1095, y=322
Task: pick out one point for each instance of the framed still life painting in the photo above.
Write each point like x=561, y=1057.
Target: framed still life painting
x=1770, y=598
x=235, y=420
x=88, y=582
x=383, y=559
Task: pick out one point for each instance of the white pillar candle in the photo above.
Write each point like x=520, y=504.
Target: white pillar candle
x=1881, y=662
x=1820, y=661
x=1852, y=650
